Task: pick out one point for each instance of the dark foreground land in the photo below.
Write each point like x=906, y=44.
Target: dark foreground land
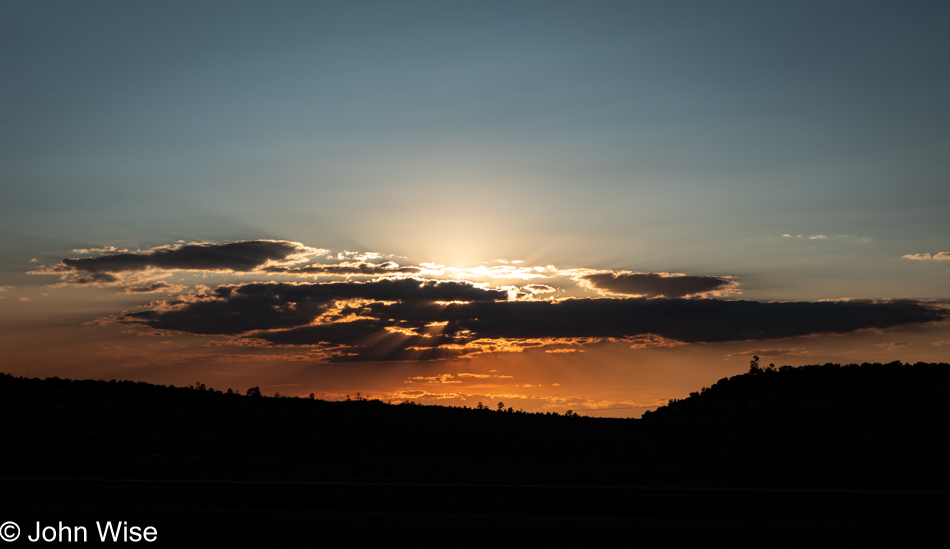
x=836, y=452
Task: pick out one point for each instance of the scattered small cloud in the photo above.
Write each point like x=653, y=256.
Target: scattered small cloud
x=645, y=341
x=154, y=287
x=939, y=256
x=941, y=343
x=360, y=268
x=838, y=237
x=893, y=346
x=538, y=289
x=92, y=278
x=440, y=379
x=770, y=352
x=100, y=250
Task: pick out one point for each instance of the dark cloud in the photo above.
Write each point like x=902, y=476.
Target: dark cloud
x=654, y=285
x=94, y=278
x=684, y=320
x=366, y=340
x=411, y=319
x=234, y=256
x=265, y=306
x=153, y=287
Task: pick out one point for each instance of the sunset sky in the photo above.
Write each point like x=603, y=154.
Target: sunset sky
x=594, y=206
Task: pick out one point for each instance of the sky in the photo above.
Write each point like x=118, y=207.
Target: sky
x=595, y=206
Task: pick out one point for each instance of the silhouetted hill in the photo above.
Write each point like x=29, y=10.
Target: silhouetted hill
x=871, y=425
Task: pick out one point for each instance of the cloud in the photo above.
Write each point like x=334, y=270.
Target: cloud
x=268, y=306
x=839, y=237
x=534, y=291
x=690, y=321
x=90, y=279
x=240, y=256
x=795, y=351
x=404, y=316
x=939, y=256
x=657, y=284
x=362, y=268
x=412, y=319
x=893, y=346
x=153, y=287
x=102, y=250
x=538, y=289
x=439, y=379
x=810, y=237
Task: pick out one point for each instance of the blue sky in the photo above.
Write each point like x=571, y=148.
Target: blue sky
x=799, y=148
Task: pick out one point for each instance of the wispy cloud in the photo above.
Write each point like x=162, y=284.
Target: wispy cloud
x=360, y=268
x=825, y=237
x=154, y=287
x=893, y=346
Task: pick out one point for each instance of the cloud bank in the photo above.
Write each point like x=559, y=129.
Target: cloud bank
x=394, y=312
x=412, y=319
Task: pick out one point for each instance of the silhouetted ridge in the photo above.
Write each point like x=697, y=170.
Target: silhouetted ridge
x=848, y=426
x=873, y=421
